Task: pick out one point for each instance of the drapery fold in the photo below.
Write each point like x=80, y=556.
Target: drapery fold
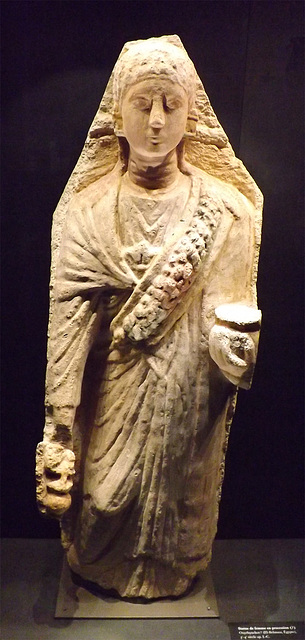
x=154, y=448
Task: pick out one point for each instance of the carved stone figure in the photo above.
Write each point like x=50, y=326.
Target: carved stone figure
x=153, y=326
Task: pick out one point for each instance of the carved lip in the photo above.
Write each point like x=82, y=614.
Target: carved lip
x=155, y=139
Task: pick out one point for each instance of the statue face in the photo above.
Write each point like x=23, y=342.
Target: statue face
x=154, y=114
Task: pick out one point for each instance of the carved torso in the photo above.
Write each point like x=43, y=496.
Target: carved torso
x=145, y=219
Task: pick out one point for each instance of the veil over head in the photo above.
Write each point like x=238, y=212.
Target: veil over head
x=153, y=58
x=206, y=148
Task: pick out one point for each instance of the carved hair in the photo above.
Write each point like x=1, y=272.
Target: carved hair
x=153, y=58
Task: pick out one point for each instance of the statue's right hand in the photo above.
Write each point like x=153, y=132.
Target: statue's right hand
x=54, y=478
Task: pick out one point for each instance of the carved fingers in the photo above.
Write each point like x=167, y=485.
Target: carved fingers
x=119, y=338
x=235, y=354
x=54, y=478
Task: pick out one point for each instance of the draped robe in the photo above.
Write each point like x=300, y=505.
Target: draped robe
x=153, y=411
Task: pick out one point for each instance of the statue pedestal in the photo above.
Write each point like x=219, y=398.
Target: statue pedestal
x=74, y=601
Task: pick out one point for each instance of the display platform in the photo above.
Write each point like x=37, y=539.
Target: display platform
x=74, y=601
x=259, y=581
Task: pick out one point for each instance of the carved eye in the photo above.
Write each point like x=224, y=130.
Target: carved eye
x=52, y=475
x=171, y=104
x=142, y=104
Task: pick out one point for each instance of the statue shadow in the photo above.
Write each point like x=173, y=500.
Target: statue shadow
x=245, y=580
x=111, y=595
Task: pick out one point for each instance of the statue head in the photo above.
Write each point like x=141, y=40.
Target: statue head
x=154, y=90
x=152, y=58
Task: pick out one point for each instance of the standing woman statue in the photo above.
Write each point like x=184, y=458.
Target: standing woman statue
x=153, y=326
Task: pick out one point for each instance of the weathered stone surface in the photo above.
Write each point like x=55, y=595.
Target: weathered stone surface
x=153, y=326
x=54, y=474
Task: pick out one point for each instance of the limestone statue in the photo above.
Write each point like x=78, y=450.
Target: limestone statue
x=153, y=327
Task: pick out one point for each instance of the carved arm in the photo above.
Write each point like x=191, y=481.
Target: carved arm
x=73, y=329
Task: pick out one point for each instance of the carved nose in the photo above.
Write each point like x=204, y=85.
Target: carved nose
x=157, y=119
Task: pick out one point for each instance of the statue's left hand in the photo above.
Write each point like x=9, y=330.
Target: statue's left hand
x=235, y=354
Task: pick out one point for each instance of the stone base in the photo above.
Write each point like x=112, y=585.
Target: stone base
x=74, y=601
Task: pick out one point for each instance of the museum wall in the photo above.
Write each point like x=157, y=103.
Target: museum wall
x=56, y=59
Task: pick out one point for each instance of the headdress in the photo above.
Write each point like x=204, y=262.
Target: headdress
x=153, y=58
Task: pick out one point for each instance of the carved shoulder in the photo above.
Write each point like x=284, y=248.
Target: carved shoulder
x=91, y=195
x=235, y=203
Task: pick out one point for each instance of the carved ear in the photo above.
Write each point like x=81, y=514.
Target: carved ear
x=191, y=122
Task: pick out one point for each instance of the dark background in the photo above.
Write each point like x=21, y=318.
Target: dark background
x=56, y=59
